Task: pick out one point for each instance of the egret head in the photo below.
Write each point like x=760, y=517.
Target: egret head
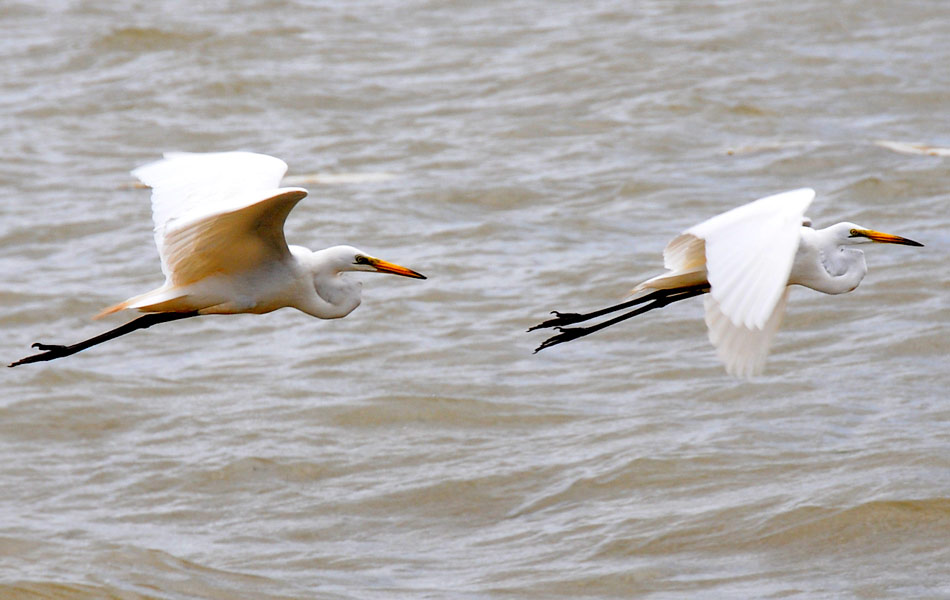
x=348, y=258
x=849, y=233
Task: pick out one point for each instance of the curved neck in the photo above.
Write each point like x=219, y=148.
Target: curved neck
x=846, y=269
x=825, y=265
x=326, y=293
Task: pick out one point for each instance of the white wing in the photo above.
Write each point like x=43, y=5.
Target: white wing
x=746, y=256
x=742, y=350
x=749, y=255
x=217, y=213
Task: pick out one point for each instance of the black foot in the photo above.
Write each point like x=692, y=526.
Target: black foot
x=49, y=352
x=48, y=347
x=560, y=319
x=565, y=335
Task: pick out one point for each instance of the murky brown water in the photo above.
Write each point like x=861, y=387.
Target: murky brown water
x=541, y=157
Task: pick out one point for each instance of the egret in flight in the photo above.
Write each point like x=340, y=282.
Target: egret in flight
x=745, y=260
x=219, y=227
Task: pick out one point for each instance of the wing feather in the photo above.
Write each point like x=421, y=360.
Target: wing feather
x=229, y=242
x=685, y=259
x=749, y=253
x=189, y=186
x=685, y=252
x=742, y=349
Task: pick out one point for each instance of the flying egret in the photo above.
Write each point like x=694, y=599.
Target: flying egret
x=219, y=227
x=745, y=260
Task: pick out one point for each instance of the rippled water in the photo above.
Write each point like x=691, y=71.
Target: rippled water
x=539, y=156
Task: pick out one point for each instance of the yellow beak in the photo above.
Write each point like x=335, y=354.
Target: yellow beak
x=383, y=266
x=883, y=238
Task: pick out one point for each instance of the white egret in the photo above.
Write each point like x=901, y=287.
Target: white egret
x=745, y=259
x=219, y=227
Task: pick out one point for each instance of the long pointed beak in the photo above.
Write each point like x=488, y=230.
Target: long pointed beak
x=383, y=266
x=884, y=238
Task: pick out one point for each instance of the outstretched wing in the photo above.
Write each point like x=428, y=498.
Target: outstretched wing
x=749, y=254
x=218, y=213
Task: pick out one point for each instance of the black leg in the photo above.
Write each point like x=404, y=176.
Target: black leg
x=560, y=319
x=52, y=351
x=659, y=299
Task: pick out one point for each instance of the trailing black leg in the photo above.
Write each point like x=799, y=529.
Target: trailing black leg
x=561, y=319
x=657, y=299
x=53, y=351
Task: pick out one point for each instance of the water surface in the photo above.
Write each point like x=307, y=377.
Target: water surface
x=538, y=156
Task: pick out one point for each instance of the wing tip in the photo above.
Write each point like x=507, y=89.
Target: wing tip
x=175, y=158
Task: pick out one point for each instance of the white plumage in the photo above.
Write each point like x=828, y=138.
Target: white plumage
x=746, y=259
x=746, y=255
x=219, y=229
x=218, y=212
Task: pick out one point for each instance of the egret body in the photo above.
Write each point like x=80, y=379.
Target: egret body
x=219, y=228
x=744, y=260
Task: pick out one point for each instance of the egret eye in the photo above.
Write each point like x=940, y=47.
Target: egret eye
x=854, y=233
x=361, y=260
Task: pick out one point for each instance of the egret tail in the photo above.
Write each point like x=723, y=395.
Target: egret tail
x=53, y=351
